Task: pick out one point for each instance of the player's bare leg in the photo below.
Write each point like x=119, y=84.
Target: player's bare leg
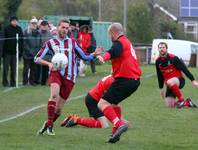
x=51, y=107
x=110, y=114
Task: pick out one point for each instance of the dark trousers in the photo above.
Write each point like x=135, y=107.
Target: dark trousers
x=29, y=71
x=9, y=61
x=44, y=74
x=0, y=63
x=93, y=66
x=37, y=74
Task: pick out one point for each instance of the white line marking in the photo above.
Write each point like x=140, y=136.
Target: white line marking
x=149, y=75
x=12, y=88
x=35, y=108
x=44, y=105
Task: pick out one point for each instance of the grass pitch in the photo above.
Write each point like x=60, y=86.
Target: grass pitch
x=154, y=127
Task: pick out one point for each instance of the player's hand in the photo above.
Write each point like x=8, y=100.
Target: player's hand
x=50, y=65
x=162, y=93
x=100, y=58
x=98, y=51
x=195, y=83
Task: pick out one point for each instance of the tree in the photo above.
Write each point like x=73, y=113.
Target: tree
x=139, y=26
x=3, y=10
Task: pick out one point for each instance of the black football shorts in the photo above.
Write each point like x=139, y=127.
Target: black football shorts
x=120, y=89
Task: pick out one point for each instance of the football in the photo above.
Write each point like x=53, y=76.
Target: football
x=59, y=61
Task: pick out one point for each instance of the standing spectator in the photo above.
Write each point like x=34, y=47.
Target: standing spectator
x=69, y=33
x=1, y=42
x=61, y=81
x=77, y=26
x=32, y=43
x=91, y=49
x=42, y=75
x=84, y=40
x=126, y=72
x=74, y=30
x=53, y=31
x=170, y=71
x=9, y=50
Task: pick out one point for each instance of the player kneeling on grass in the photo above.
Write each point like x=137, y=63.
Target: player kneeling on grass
x=91, y=101
x=170, y=71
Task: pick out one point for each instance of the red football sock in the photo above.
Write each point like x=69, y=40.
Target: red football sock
x=118, y=111
x=111, y=115
x=113, y=129
x=177, y=92
x=89, y=122
x=51, y=108
x=186, y=102
x=56, y=117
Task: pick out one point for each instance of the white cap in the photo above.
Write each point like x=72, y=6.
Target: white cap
x=53, y=28
x=34, y=20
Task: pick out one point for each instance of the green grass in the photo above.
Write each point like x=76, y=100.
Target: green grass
x=154, y=127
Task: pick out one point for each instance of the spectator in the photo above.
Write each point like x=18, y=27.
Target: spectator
x=84, y=40
x=42, y=74
x=32, y=43
x=9, y=50
x=53, y=31
x=74, y=30
x=91, y=49
x=69, y=33
x=77, y=26
x=1, y=42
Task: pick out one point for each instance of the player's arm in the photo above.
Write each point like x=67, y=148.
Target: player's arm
x=39, y=58
x=114, y=52
x=160, y=80
x=82, y=55
x=181, y=66
x=159, y=76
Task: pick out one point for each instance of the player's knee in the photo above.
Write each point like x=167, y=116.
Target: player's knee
x=103, y=122
x=58, y=111
x=104, y=125
x=103, y=104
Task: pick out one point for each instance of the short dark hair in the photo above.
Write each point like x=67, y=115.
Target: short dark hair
x=73, y=23
x=84, y=27
x=44, y=23
x=163, y=43
x=13, y=18
x=63, y=20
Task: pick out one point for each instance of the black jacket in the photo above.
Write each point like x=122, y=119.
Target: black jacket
x=1, y=42
x=9, y=46
x=32, y=44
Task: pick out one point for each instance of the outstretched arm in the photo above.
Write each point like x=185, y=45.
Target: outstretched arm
x=114, y=52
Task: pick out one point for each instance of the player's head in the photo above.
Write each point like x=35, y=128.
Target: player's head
x=162, y=47
x=63, y=28
x=115, y=30
x=14, y=21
